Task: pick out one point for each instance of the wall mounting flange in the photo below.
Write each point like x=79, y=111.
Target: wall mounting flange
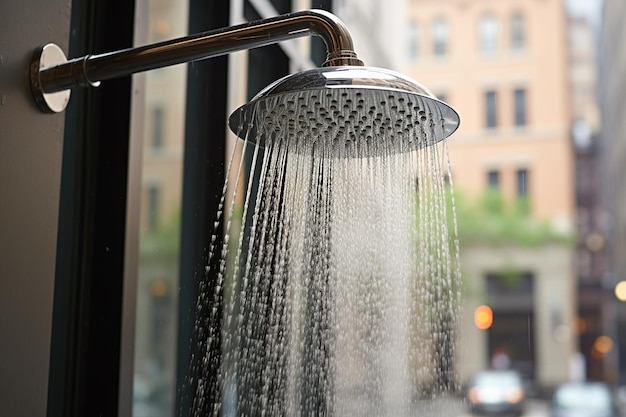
x=47, y=56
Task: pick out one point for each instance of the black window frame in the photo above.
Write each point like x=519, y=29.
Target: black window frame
x=88, y=316
x=91, y=350
x=91, y=354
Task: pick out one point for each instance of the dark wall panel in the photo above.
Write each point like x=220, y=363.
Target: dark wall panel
x=203, y=180
x=30, y=174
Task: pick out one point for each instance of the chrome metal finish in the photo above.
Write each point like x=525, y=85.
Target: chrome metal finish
x=344, y=88
x=343, y=79
x=47, y=56
x=91, y=69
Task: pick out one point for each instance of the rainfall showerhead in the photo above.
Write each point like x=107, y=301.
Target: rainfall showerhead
x=351, y=102
x=343, y=101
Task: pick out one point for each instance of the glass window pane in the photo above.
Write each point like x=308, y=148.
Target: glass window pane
x=522, y=182
x=158, y=269
x=440, y=37
x=520, y=107
x=488, y=34
x=152, y=213
x=517, y=32
x=491, y=109
x=158, y=118
x=493, y=179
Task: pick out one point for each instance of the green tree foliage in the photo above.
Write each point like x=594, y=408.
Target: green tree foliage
x=163, y=242
x=490, y=219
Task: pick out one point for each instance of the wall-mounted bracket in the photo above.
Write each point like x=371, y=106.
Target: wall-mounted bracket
x=52, y=75
x=47, y=56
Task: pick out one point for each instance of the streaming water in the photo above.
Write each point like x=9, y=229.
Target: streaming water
x=343, y=272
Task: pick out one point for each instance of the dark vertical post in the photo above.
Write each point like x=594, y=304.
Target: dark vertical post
x=203, y=179
x=88, y=291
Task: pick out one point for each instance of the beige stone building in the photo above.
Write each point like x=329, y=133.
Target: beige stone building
x=509, y=82
x=503, y=67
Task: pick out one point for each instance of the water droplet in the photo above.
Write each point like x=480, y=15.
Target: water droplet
x=325, y=252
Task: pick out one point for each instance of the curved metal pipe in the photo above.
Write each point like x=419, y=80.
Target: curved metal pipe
x=91, y=69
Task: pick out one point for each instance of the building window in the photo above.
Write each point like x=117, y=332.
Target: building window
x=153, y=207
x=440, y=37
x=493, y=179
x=520, y=107
x=522, y=182
x=158, y=122
x=510, y=341
x=488, y=34
x=413, y=40
x=491, y=120
x=517, y=32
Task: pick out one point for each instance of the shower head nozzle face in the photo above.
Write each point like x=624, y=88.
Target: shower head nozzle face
x=346, y=105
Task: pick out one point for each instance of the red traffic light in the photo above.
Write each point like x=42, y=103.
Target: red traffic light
x=483, y=317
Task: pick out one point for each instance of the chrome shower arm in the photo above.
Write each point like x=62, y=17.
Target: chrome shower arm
x=49, y=76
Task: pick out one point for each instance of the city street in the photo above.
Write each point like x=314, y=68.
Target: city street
x=454, y=406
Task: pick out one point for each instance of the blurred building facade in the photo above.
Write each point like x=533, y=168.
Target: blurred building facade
x=163, y=121
x=596, y=311
x=613, y=148
x=157, y=332
x=492, y=61
x=504, y=67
